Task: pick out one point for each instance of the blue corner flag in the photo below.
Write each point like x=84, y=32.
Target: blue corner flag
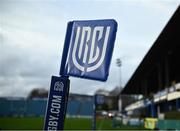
x=88, y=49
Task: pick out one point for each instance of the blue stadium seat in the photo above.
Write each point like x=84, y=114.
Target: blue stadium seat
x=37, y=107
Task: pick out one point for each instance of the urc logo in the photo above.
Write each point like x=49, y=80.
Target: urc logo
x=90, y=44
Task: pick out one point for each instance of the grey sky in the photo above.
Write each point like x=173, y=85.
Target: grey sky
x=32, y=36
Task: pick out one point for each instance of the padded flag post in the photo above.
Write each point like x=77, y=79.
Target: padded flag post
x=57, y=103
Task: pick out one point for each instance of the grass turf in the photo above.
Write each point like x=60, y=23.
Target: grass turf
x=17, y=123
x=36, y=123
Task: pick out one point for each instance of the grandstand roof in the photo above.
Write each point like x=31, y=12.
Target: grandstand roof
x=167, y=42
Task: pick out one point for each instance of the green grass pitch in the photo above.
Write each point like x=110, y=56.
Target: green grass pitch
x=36, y=123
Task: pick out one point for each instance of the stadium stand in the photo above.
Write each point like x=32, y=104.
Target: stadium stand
x=86, y=108
x=80, y=108
x=37, y=106
x=157, y=78
x=4, y=107
x=72, y=108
